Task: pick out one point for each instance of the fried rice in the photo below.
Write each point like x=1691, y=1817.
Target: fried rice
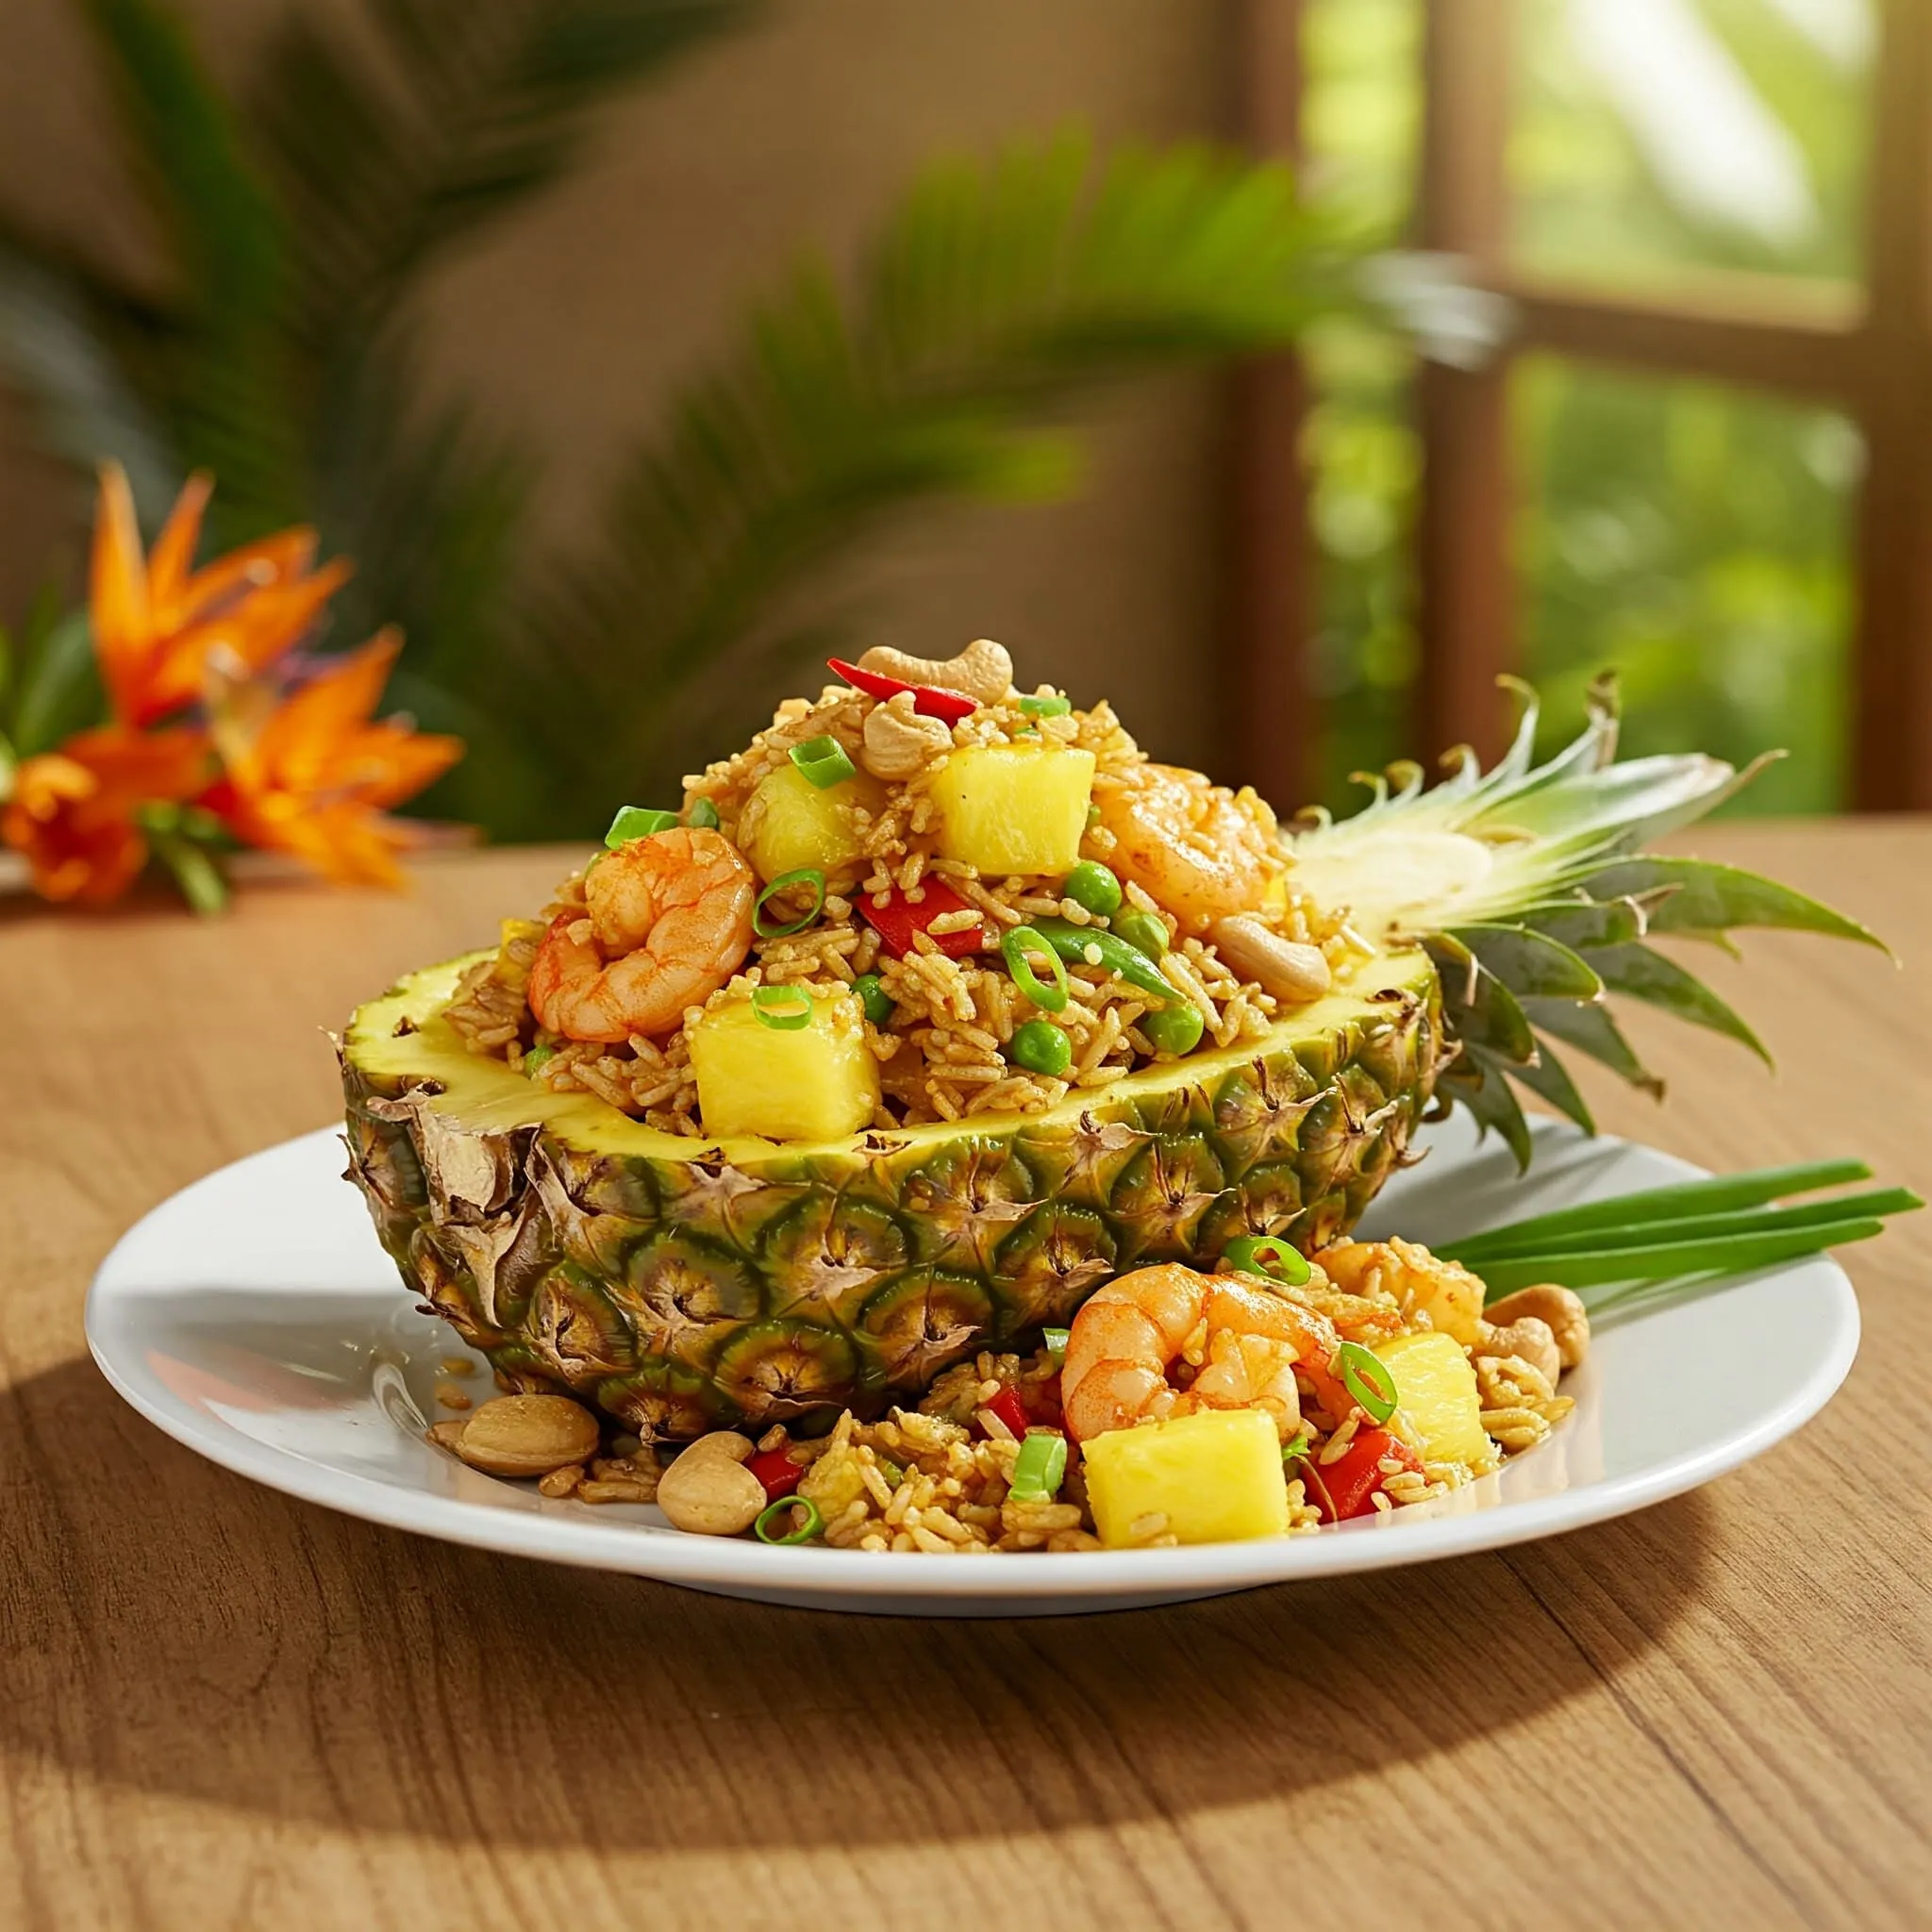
x=943, y=1053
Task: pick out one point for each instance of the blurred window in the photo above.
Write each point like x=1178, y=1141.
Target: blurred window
x=1696, y=537
x=1648, y=137
x=1685, y=185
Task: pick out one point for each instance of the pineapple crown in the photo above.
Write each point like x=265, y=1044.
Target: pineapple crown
x=1529, y=887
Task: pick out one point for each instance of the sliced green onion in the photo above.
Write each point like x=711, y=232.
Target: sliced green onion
x=1046, y=707
x=1269, y=1256
x=1056, y=1341
x=637, y=822
x=880, y=1004
x=824, y=761
x=1366, y=1376
x=1039, y=1467
x=805, y=876
x=704, y=816
x=1295, y=1448
x=537, y=1056
x=1049, y=999
x=783, y=1009
x=813, y=1525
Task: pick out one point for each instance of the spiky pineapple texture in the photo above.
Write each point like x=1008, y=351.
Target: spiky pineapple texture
x=1529, y=887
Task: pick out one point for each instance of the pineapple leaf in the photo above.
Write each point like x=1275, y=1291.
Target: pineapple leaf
x=1593, y=1029
x=1530, y=963
x=1647, y=976
x=1701, y=896
x=1550, y=1079
x=1491, y=1099
x=1583, y=922
x=1482, y=1011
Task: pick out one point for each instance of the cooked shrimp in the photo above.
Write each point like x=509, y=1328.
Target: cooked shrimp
x=1244, y=1344
x=1192, y=845
x=1446, y=1294
x=666, y=921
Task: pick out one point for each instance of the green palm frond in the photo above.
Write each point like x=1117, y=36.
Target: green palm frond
x=991, y=297
x=221, y=382
x=66, y=338
x=477, y=104
x=279, y=357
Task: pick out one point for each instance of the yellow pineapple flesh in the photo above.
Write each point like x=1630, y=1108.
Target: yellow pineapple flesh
x=759, y=1074
x=1215, y=1477
x=1014, y=807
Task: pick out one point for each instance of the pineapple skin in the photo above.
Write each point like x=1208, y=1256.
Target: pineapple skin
x=681, y=1287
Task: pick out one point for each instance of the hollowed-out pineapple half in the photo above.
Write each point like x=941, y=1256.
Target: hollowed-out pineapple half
x=680, y=1284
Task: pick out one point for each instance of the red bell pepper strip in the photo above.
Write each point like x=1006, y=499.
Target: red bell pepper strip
x=778, y=1472
x=929, y=699
x=898, y=919
x=1347, y=1487
x=1007, y=1405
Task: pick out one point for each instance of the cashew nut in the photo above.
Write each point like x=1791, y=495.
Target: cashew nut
x=527, y=1434
x=983, y=669
x=1528, y=1338
x=898, y=741
x=1290, y=971
x=1559, y=1309
x=708, y=1490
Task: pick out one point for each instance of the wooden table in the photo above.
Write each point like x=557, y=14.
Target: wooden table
x=219, y=1707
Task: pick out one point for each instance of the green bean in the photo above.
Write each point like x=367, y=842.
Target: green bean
x=1081, y=946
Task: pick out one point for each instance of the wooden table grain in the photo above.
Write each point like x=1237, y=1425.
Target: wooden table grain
x=221, y=1707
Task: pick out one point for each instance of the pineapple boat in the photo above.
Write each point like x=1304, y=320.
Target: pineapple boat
x=942, y=1006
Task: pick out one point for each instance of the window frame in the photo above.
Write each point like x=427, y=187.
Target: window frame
x=1865, y=351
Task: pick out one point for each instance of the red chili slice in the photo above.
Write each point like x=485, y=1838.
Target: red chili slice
x=1346, y=1487
x=1006, y=1404
x=929, y=699
x=778, y=1472
x=899, y=919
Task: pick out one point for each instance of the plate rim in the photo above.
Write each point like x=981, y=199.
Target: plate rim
x=552, y=1533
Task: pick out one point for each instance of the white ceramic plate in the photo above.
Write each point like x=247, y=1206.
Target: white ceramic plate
x=253, y=1318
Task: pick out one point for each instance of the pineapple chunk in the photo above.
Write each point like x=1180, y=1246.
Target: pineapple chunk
x=1215, y=1475
x=788, y=822
x=1436, y=1385
x=817, y=1082
x=1014, y=807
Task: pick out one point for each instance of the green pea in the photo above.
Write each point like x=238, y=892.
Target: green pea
x=1173, y=1029
x=1143, y=931
x=537, y=1056
x=1094, y=888
x=1041, y=1047
x=872, y=993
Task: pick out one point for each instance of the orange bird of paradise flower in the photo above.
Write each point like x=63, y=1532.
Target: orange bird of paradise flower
x=73, y=814
x=157, y=621
x=311, y=776
x=294, y=766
